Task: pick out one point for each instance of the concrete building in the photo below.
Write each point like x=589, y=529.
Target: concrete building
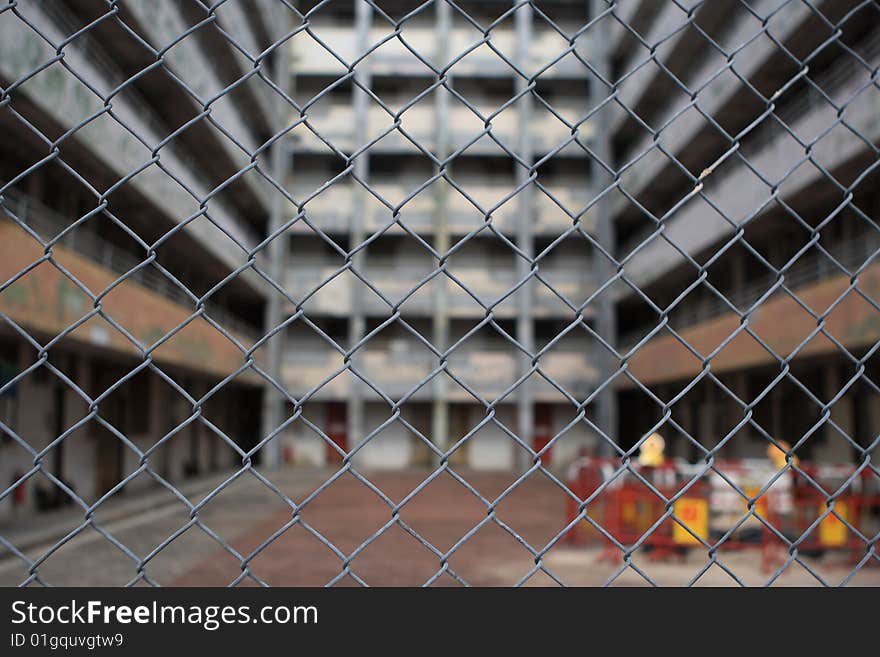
x=771, y=136
x=418, y=211
x=394, y=198
x=102, y=154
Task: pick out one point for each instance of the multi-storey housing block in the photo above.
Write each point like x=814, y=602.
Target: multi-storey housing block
x=125, y=217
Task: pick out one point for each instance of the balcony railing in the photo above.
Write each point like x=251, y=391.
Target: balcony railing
x=395, y=282
x=86, y=242
x=809, y=113
x=841, y=80
x=399, y=370
x=332, y=210
x=393, y=57
x=810, y=268
x=547, y=132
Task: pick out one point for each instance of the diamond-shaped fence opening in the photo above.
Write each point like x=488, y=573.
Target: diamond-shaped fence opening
x=439, y=293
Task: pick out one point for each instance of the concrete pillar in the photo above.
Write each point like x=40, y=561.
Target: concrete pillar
x=13, y=461
x=524, y=318
x=831, y=446
x=872, y=418
x=276, y=252
x=361, y=105
x=59, y=425
x=440, y=320
x=85, y=473
x=204, y=436
x=70, y=458
x=742, y=444
x=777, y=418
x=708, y=436
x=159, y=425
x=155, y=424
x=688, y=421
x=606, y=237
x=677, y=445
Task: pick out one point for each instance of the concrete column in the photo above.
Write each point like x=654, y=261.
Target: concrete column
x=156, y=426
x=178, y=446
x=687, y=420
x=162, y=419
x=24, y=405
x=777, y=420
x=357, y=324
x=86, y=474
x=75, y=407
x=675, y=441
x=606, y=237
x=196, y=431
x=741, y=443
x=833, y=447
x=440, y=321
x=872, y=416
x=59, y=425
x=708, y=435
x=524, y=316
x=276, y=252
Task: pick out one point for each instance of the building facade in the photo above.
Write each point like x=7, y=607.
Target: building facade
x=442, y=288
x=752, y=151
x=444, y=131
x=103, y=156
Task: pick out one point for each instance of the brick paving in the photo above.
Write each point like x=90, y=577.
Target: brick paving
x=347, y=513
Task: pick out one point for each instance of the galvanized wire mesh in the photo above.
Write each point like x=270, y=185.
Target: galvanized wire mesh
x=662, y=197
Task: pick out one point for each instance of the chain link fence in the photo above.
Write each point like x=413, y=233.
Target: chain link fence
x=544, y=292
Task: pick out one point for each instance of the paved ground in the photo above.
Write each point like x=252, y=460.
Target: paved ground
x=347, y=513
x=142, y=523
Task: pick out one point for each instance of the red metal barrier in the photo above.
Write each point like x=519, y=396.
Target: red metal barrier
x=705, y=509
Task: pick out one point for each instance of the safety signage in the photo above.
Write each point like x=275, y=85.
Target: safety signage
x=693, y=512
x=832, y=532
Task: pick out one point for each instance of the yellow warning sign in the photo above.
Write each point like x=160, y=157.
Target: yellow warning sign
x=693, y=512
x=761, y=505
x=832, y=532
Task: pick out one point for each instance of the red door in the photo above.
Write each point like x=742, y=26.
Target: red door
x=543, y=430
x=336, y=430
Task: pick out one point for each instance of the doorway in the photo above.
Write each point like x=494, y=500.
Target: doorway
x=336, y=428
x=459, y=426
x=108, y=462
x=109, y=449
x=543, y=431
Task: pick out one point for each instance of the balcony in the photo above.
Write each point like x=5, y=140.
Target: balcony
x=739, y=194
x=116, y=153
x=810, y=268
x=333, y=208
x=393, y=58
x=781, y=324
x=335, y=122
x=335, y=298
x=398, y=369
x=147, y=305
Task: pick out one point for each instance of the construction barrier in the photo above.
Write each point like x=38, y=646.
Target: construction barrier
x=672, y=508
